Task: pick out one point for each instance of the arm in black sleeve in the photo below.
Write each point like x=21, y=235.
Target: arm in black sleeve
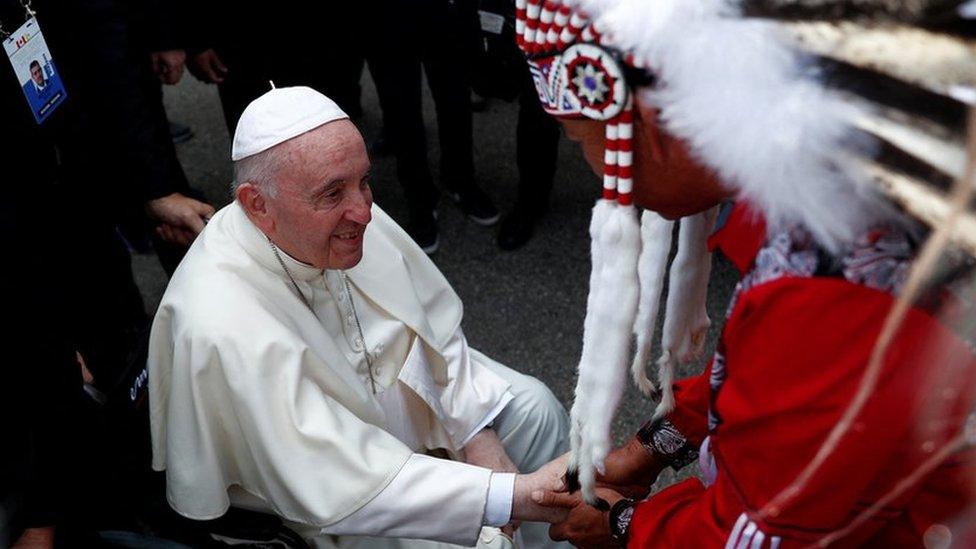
x=116, y=117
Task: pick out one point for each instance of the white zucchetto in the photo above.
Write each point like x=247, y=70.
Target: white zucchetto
x=279, y=115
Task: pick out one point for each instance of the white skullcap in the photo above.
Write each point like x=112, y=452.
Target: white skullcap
x=279, y=115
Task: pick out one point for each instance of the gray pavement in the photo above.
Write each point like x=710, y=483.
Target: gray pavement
x=523, y=308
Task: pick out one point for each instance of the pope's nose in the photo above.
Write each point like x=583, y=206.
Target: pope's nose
x=359, y=211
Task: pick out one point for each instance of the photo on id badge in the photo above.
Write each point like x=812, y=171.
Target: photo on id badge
x=34, y=67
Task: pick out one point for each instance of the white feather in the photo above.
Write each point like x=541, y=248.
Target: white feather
x=750, y=108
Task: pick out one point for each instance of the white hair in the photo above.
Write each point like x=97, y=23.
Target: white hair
x=259, y=169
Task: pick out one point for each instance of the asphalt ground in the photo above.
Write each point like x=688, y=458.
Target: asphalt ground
x=523, y=308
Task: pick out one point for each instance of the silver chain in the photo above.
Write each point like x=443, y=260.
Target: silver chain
x=4, y=33
x=359, y=328
x=290, y=277
x=352, y=304
x=26, y=4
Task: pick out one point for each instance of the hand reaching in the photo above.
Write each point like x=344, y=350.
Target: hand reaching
x=584, y=526
x=549, y=478
x=36, y=538
x=485, y=450
x=630, y=470
x=168, y=65
x=208, y=67
x=181, y=217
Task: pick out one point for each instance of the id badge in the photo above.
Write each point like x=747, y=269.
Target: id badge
x=491, y=22
x=34, y=67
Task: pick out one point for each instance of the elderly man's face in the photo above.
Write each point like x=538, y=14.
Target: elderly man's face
x=667, y=179
x=321, y=206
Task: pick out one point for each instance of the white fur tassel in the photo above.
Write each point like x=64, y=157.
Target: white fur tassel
x=598, y=219
x=651, y=268
x=611, y=310
x=686, y=317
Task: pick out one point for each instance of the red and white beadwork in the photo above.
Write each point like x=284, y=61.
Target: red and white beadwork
x=596, y=80
x=578, y=75
x=618, y=161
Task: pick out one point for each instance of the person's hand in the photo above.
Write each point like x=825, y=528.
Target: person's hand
x=168, y=65
x=208, y=67
x=549, y=478
x=630, y=470
x=181, y=217
x=485, y=450
x=584, y=526
x=36, y=538
x=86, y=374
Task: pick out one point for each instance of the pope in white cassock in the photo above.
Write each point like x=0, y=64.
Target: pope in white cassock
x=307, y=354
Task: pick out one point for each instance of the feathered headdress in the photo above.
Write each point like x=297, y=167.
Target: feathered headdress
x=578, y=75
x=747, y=93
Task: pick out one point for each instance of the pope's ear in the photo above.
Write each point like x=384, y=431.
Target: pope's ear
x=252, y=199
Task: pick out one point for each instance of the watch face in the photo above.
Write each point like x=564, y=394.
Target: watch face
x=623, y=519
x=620, y=517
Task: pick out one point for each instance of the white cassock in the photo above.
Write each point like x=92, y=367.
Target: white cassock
x=263, y=402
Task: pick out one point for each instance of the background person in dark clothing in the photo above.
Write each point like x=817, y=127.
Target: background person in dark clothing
x=499, y=69
x=114, y=135
x=102, y=156
x=242, y=46
x=537, y=149
x=39, y=396
x=435, y=35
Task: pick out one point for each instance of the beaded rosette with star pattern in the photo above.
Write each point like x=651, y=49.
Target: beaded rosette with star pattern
x=578, y=75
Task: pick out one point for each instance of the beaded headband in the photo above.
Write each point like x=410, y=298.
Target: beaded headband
x=578, y=75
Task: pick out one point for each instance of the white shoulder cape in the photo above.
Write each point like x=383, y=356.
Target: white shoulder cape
x=246, y=390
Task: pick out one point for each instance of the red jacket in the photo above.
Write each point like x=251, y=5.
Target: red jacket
x=791, y=356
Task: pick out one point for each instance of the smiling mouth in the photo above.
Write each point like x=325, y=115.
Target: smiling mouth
x=349, y=235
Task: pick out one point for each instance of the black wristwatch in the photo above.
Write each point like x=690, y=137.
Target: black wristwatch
x=662, y=439
x=620, y=515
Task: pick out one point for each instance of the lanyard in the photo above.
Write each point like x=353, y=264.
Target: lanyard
x=28, y=12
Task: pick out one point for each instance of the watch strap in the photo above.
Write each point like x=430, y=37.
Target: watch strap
x=620, y=516
x=666, y=442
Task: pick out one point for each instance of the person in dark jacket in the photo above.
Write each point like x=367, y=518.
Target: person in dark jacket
x=102, y=154
x=435, y=36
x=242, y=47
x=39, y=396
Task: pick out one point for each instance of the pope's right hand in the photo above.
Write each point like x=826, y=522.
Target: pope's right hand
x=549, y=478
